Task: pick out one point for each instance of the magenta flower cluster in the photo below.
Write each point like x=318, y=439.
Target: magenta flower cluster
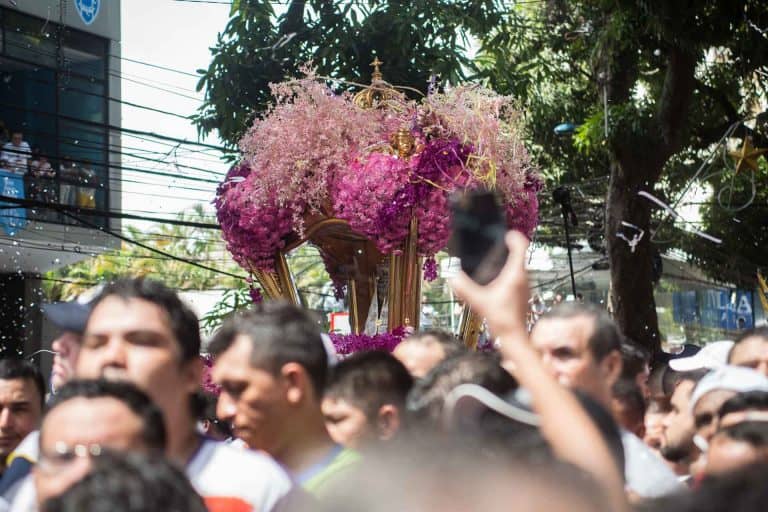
x=346, y=344
x=254, y=228
x=208, y=385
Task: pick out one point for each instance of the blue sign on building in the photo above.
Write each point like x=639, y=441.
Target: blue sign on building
x=736, y=310
x=730, y=310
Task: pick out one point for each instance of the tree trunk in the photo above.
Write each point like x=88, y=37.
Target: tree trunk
x=631, y=272
x=637, y=161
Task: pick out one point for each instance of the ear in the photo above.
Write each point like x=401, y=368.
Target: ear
x=296, y=383
x=611, y=366
x=388, y=422
x=193, y=374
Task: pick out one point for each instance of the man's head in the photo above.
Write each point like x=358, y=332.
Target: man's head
x=70, y=318
x=737, y=446
x=272, y=368
x=423, y=350
x=678, y=425
x=129, y=483
x=365, y=398
x=751, y=350
x=742, y=405
x=426, y=400
x=140, y=331
x=22, y=394
x=84, y=418
x=628, y=406
x=17, y=137
x=580, y=345
x=715, y=389
x=635, y=361
x=208, y=422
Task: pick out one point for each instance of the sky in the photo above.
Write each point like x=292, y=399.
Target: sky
x=175, y=35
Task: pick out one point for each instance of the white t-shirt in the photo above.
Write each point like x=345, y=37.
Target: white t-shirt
x=234, y=480
x=16, y=156
x=229, y=480
x=646, y=474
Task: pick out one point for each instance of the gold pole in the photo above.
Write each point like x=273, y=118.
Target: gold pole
x=405, y=283
x=354, y=307
x=270, y=283
x=469, y=328
x=287, y=283
x=279, y=284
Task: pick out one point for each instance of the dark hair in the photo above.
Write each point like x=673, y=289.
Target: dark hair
x=12, y=368
x=207, y=412
x=279, y=333
x=153, y=433
x=741, y=490
x=749, y=400
x=606, y=337
x=369, y=380
x=754, y=433
x=635, y=358
x=426, y=400
x=129, y=482
x=450, y=344
x=757, y=332
x=183, y=321
x=628, y=392
x=692, y=375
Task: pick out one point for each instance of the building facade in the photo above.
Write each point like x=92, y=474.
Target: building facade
x=60, y=132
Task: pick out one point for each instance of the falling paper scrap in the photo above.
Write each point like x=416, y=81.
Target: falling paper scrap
x=635, y=240
x=672, y=212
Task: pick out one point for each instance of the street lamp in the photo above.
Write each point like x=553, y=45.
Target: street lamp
x=562, y=196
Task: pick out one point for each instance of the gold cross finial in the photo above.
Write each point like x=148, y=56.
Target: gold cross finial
x=376, y=70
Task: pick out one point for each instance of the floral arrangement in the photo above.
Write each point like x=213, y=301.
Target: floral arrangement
x=346, y=344
x=317, y=152
x=208, y=385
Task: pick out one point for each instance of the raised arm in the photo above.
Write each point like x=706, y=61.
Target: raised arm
x=504, y=304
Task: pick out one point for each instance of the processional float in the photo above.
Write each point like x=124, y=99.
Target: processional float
x=392, y=180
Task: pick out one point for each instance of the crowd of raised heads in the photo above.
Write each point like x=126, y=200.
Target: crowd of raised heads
x=570, y=415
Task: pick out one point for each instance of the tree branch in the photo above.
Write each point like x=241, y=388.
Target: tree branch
x=720, y=97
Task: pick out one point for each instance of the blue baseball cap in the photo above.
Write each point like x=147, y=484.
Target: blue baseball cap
x=68, y=316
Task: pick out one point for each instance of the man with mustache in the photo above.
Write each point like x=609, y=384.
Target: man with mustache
x=140, y=331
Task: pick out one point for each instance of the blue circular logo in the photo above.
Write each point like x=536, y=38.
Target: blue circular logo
x=88, y=10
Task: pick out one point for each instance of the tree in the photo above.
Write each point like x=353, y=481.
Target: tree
x=415, y=39
x=194, y=244
x=674, y=76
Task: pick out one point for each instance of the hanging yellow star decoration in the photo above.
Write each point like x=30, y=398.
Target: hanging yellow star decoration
x=747, y=155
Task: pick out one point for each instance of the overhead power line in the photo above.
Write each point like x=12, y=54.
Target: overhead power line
x=111, y=127
x=67, y=210
x=156, y=66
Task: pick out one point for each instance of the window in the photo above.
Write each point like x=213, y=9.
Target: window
x=54, y=88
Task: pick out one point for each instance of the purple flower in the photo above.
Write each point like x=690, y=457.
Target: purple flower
x=347, y=344
x=430, y=269
x=255, y=294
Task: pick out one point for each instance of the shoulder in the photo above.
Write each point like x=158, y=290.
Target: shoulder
x=343, y=462
x=28, y=448
x=219, y=471
x=646, y=474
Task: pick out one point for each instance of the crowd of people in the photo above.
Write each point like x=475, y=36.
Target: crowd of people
x=27, y=173
x=569, y=415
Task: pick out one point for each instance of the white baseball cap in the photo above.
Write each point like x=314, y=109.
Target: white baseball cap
x=712, y=355
x=730, y=378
